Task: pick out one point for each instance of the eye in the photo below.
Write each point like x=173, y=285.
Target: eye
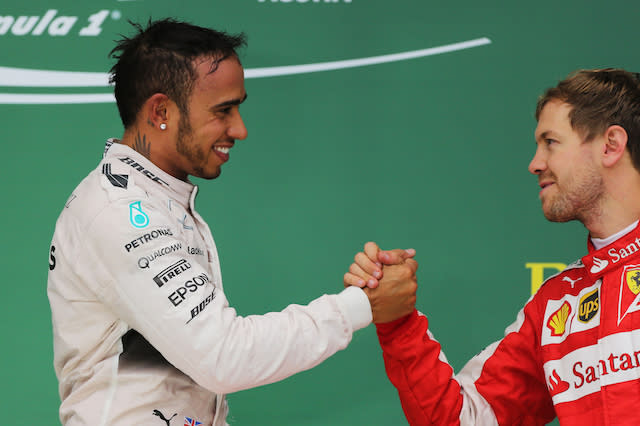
x=550, y=141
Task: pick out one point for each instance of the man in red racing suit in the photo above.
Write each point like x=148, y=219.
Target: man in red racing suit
x=575, y=346
x=574, y=350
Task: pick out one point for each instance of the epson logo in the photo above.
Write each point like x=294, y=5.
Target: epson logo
x=190, y=286
x=54, y=25
x=171, y=272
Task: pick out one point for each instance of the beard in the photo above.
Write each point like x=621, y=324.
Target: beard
x=194, y=154
x=577, y=199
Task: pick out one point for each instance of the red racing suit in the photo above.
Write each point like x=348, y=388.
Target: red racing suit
x=573, y=352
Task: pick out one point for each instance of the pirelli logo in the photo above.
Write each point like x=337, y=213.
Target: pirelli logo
x=171, y=272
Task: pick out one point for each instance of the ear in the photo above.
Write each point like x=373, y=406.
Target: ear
x=156, y=111
x=615, y=144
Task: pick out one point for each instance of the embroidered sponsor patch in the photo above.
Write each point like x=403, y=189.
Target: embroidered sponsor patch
x=571, y=314
x=137, y=216
x=589, y=306
x=629, y=297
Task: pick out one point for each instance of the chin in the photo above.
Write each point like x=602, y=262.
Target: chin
x=560, y=217
x=211, y=175
x=206, y=174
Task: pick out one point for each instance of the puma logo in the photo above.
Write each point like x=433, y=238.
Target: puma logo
x=163, y=418
x=569, y=280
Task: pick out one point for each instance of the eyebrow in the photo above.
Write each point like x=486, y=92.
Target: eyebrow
x=230, y=102
x=546, y=134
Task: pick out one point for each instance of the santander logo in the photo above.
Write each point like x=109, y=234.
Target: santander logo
x=598, y=265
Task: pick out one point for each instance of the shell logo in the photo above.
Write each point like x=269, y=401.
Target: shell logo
x=558, y=320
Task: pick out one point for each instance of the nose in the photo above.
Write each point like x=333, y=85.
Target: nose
x=237, y=130
x=538, y=163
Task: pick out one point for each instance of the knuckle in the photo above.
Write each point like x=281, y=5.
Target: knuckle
x=406, y=272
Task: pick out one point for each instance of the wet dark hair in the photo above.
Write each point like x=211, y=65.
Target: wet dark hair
x=599, y=99
x=160, y=59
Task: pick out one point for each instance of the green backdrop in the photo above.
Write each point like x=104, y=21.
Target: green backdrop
x=430, y=153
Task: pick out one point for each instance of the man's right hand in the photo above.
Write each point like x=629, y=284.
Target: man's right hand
x=394, y=295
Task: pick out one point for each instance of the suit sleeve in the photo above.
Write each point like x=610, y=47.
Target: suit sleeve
x=175, y=300
x=504, y=384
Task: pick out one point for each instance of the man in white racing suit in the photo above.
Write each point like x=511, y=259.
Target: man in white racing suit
x=143, y=332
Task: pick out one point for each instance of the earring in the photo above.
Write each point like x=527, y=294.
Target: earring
x=163, y=126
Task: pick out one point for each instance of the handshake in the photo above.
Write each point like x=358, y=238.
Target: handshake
x=389, y=280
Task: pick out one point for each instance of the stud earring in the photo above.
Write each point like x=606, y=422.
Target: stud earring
x=163, y=126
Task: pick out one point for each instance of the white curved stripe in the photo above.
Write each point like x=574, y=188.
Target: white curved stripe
x=23, y=77
x=42, y=98
x=351, y=63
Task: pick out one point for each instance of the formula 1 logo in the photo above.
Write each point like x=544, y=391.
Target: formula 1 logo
x=54, y=24
x=22, y=77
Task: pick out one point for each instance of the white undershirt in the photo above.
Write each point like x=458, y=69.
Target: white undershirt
x=598, y=243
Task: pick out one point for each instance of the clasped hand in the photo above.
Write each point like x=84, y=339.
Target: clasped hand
x=388, y=278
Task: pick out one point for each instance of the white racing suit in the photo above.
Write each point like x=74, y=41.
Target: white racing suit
x=143, y=333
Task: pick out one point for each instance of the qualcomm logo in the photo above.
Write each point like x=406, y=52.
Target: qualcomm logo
x=21, y=77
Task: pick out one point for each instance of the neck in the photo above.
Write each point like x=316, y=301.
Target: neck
x=138, y=140
x=619, y=208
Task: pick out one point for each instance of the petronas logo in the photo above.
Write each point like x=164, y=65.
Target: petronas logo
x=67, y=81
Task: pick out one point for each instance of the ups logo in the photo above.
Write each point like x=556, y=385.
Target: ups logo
x=589, y=305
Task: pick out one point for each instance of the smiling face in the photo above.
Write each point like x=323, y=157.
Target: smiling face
x=571, y=182
x=208, y=130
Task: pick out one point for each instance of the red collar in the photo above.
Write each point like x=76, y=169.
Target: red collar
x=616, y=254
